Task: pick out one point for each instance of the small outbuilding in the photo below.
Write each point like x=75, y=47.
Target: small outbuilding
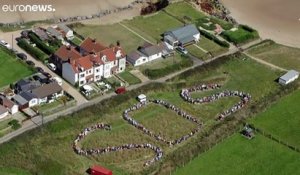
x=142, y=98
x=289, y=77
x=3, y=112
x=98, y=170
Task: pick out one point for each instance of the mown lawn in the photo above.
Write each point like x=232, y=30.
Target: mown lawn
x=154, y=25
x=49, y=150
x=282, y=119
x=110, y=34
x=197, y=52
x=277, y=54
x=11, y=69
x=237, y=155
x=129, y=78
x=211, y=46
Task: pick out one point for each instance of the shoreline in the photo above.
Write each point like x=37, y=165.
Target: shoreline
x=272, y=22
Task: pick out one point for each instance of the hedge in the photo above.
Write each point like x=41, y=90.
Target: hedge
x=242, y=35
x=157, y=73
x=36, y=53
x=214, y=38
x=40, y=44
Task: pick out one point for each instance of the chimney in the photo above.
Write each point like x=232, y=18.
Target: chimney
x=68, y=47
x=94, y=40
x=118, y=43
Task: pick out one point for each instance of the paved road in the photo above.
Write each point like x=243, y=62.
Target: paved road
x=66, y=86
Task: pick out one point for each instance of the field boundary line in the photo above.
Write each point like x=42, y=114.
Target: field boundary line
x=135, y=33
x=265, y=62
x=200, y=48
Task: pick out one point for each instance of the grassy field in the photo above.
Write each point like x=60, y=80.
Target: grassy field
x=49, y=151
x=280, y=55
x=241, y=35
x=110, y=34
x=129, y=78
x=238, y=155
x=9, y=63
x=153, y=25
x=195, y=51
x=282, y=119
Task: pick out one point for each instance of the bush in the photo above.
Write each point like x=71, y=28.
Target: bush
x=14, y=124
x=225, y=25
x=40, y=44
x=241, y=35
x=214, y=38
x=157, y=73
x=203, y=21
x=36, y=53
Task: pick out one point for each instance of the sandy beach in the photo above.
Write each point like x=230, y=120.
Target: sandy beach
x=275, y=19
x=63, y=8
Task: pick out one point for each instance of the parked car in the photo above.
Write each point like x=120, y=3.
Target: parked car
x=30, y=63
x=47, y=74
x=51, y=66
x=121, y=90
x=39, y=69
x=22, y=56
x=182, y=50
x=5, y=44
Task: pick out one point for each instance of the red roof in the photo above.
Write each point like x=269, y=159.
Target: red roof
x=65, y=53
x=90, y=45
x=98, y=170
x=110, y=53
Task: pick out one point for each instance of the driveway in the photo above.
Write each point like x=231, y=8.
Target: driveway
x=9, y=37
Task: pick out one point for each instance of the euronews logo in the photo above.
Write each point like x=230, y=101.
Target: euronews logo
x=28, y=8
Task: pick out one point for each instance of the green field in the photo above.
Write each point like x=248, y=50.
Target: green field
x=110, y=34
x=282, y=119
x=49, y=151
x=197, y=52
x=280, y=55
x=154, y=25
x=237, y=155
x=242, y=35
x=129, y=78
x=11, y=69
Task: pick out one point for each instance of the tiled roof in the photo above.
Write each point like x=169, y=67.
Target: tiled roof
x=65, y=53
x=90, y=45
x=47, y=90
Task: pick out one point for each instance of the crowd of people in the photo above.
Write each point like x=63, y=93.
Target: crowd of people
x=245, y=97
x=158, y=137
x=158, y=151
x=186, y=95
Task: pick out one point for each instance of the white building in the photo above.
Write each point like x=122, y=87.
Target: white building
x=94, y=66
x=66, y=31
x=182, y=36
x=289, y=77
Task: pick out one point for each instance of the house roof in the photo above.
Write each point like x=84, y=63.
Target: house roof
x=289, y=75
x=90, y=45
x=6, y=102
x=27, y=85
x=46, y=90
x=27, y=96
x=64, y=53
x=133, y=56
x=3, y=110
x=54, y=32
x=41, y=33
x=64, y=27
x=20, y=100
x=150, y=49
x=184, y=34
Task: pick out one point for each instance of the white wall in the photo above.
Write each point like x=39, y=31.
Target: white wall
x=197, y=37
x=14, y=109
x=122, y=64
x=154, y=57
x=69, y=74
x=98, y=73
x=33, y=102
x=4, y=115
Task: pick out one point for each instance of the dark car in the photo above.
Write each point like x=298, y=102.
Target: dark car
x=39, y=69
x=30, y=63
x=22, y=56
x=47, y=74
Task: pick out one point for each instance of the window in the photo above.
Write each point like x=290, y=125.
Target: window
x=81, y=75
x=81, y=82
x=97, y=70
x=90, y=71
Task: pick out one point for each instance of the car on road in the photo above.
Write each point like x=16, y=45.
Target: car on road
x=39, y=69
x=182, y=50
x=51, y=66
x=30, y=63
x=47, y=74
x=5, y=44
x=22, y=56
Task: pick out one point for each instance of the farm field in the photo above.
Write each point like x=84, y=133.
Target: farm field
x=154, y=25
x=282, y=119
x=277, y=54
x=237, y=155
x=50, y=150
x=9, y=63
x=110, y=34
